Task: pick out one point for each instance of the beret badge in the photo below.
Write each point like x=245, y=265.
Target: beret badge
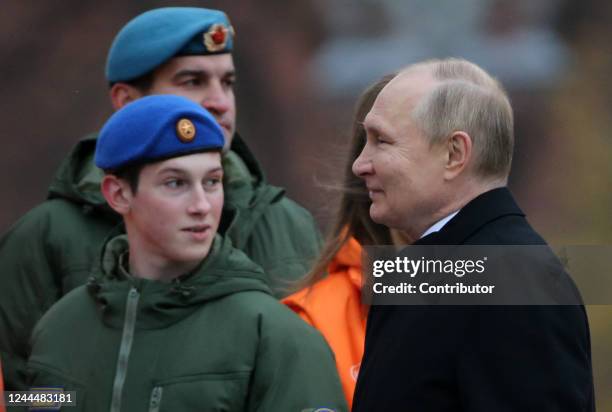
x=185, y=130
x=215, y=39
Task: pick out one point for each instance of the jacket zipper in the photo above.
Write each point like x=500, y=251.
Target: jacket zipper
x=124, y=349
x=155, y=402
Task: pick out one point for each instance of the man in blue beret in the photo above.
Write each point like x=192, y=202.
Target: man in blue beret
x=176, y=50
x=146, y=331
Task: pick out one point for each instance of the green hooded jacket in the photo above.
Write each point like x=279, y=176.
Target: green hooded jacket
x=210, y=340
x=52, y=248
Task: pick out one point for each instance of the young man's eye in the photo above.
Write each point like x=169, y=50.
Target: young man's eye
x=212, y=183
x=174, y=183
x=229, y=82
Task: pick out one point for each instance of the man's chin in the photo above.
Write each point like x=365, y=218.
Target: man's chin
x=377, y=215
x=195, y=253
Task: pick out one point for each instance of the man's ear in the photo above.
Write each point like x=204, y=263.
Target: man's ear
x=122, y=94
x=117, y=193
x=459, y=154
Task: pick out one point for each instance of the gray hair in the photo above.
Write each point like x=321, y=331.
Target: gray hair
x=468, y=99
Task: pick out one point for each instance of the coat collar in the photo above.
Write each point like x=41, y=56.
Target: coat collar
x=483, y=209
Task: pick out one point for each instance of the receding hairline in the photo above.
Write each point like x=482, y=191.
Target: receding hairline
x=453, y=69
x=441, y=72
x=404, y=89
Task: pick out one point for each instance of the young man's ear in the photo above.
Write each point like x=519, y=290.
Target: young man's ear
x=117, y=193
x=458, y=154
x=122, y=94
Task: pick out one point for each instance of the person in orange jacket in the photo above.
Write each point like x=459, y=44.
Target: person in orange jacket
x=330, y=298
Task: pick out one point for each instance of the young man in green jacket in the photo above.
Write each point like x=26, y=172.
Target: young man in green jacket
x=48, y=252
x=175, y=318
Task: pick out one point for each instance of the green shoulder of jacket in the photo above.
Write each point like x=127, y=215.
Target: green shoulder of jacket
x=273, y=230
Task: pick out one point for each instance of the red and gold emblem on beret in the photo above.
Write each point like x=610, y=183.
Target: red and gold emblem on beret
x=215, y=39
x=185, y=130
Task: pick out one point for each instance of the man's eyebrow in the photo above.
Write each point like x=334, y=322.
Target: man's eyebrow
x=371, y=126
x=172, y=170
x=190, y=72
x=200, y=73
x=215, y=170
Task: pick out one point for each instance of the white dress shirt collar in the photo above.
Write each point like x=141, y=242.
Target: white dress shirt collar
x=439, y=224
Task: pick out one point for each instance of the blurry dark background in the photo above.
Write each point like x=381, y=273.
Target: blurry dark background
x=300, y=68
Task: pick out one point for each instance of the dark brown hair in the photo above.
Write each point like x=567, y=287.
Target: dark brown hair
x=142, y=83
x=352, y=216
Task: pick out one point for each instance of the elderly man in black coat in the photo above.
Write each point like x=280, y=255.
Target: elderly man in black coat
x=436, y=164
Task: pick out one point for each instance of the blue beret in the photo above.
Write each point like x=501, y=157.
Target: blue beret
x=156, y=127
x=155, y=36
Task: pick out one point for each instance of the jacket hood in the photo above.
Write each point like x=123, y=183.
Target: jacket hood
x=348, y=260
x=78, y=179
x=225, y=271
x=242, y=150
x=247, y=194
x=244, y=176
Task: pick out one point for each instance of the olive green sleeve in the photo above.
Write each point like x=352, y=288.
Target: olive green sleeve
x=295, y=369
x=47, y=253
x=27, y=289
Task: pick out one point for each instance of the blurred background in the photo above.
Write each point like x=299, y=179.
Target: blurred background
x=301, y=66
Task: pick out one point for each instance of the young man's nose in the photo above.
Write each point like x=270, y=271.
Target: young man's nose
x=199, y=203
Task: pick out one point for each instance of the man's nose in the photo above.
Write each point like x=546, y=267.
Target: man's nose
x=362, y=166
x=199, y=203
x=217, y=99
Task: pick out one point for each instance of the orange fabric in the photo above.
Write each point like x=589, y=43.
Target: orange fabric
x=333, y=306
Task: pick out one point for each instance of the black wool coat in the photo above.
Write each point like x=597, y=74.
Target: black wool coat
x=477, y=358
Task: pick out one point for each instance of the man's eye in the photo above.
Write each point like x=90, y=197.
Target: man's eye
x=174, y=183
x=192, y=82
x=212, y=183
x=380, y=140
x=229, y=82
